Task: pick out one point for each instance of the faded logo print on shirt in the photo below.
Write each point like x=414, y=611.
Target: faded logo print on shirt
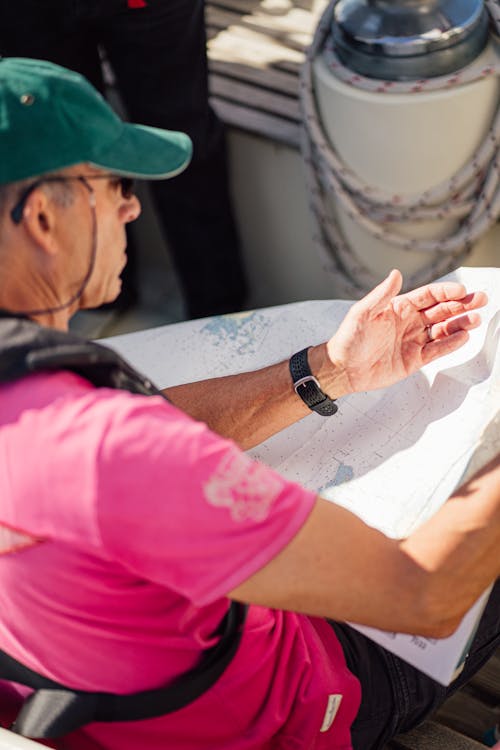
x=246, y=488
x=12, y=540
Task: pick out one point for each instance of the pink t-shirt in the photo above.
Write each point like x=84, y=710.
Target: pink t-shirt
x=145, y=520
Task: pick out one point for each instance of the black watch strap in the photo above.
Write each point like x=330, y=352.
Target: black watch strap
x=307, y=387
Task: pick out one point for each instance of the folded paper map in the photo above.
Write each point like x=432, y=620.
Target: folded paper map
x=392, y=456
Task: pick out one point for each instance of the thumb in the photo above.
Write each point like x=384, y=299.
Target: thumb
x=381, y=295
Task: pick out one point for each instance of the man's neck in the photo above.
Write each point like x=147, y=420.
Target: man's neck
x=57, y=320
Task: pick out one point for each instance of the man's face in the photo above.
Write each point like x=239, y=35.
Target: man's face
x=113, y=211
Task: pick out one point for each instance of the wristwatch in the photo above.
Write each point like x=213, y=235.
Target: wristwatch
x=307, y=387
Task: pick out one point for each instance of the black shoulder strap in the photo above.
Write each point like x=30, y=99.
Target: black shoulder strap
x=26, y=347
x=53, y=709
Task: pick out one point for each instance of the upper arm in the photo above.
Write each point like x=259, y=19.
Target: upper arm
x=338, y=567
x=185, y=508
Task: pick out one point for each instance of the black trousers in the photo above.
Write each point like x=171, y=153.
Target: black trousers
x=158, y=55
x=397, y=697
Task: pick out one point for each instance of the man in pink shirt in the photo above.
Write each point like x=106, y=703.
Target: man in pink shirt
x=133, y=528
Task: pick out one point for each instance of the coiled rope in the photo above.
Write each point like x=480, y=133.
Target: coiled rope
x=471, y=196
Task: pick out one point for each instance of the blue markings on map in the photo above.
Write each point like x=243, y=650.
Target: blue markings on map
x=245, y=329
x=343, y=474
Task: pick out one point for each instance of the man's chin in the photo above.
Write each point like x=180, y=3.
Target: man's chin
x=98, y=305
x=109, y=297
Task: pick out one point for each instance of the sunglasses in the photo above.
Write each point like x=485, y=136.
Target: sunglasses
x=127, y=187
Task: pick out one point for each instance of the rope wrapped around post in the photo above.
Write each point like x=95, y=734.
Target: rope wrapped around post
x=471, y=196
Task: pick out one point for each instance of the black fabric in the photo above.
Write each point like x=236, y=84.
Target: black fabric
x=397, y=697
x=309, y=391
x=26, y=347
x=53, y=709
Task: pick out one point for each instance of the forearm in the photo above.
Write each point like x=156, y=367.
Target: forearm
x=382, y=339
x=338, y=567
x=250, y=407
x=460, y=548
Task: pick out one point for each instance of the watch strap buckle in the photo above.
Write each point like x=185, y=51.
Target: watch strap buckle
x=307, y=387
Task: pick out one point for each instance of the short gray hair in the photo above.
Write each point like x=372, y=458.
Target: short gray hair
x=60, y=192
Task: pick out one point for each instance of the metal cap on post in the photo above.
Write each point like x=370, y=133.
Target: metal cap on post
x=409, y=39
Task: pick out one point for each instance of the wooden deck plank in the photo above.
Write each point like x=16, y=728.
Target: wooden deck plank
x=265, y=78
x=285, y=41
x=468, y=715
x=255, y=52
x=270, y=7
x=258, y=123
x=487, y=681
x=263, y=100
x=294, y=28
x=263, y=49
x=433, y=736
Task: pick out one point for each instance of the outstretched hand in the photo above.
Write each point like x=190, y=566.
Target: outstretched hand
x=387, y=336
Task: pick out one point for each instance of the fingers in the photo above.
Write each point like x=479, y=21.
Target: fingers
x=448, y=336
x=448, y=327
x=437, y=301
x=444, y=310
x=381, y=295
x=431, y=294
x=446, y=293
x=442, y=346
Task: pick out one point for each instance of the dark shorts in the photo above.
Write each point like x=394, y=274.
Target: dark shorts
x=397, y=697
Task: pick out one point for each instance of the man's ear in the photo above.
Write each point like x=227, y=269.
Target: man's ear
x=40, y=219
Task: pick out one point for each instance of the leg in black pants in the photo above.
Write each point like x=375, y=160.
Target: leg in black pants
x=158, y=54
x=397, y=697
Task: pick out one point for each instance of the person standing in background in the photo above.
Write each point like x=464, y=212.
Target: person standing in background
x=157, y=50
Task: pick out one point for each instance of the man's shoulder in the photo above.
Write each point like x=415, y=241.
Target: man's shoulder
x=65, y=402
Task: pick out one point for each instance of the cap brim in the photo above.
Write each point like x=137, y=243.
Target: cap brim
x=147, y=153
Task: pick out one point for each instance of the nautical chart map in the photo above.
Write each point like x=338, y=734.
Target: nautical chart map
x=392, y=456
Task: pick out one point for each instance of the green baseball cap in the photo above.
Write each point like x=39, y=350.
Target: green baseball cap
x=51, y=118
